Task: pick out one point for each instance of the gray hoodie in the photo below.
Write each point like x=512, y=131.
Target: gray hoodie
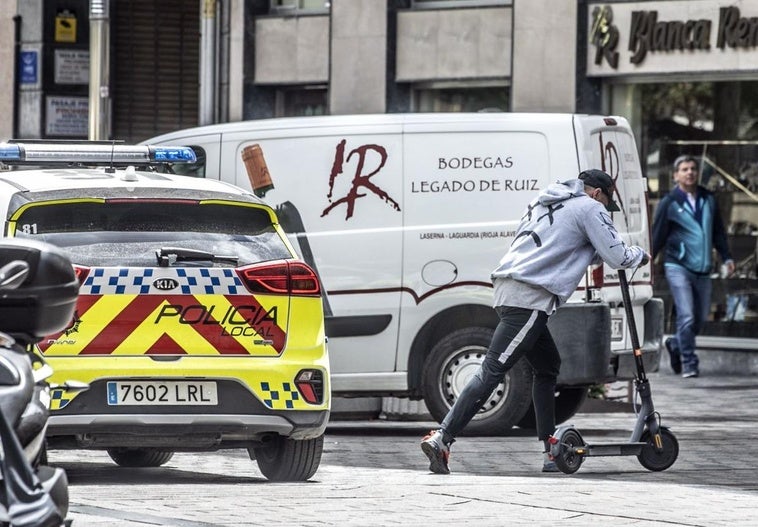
x=563, y=232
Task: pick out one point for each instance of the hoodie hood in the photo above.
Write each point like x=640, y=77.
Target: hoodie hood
x=561, y=191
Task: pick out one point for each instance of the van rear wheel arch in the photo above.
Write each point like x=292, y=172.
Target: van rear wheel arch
x=439, y=326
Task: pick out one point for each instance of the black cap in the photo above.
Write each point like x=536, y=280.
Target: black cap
x=598, y=179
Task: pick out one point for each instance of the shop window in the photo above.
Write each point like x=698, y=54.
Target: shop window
x=436, y=4
x=462, y=99
x=294, y=102
x=298, y=6
x=716, y=122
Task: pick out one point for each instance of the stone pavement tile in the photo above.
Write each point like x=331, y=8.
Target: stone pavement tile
x=373, y=473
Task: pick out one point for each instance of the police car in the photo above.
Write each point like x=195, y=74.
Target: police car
x=197, y=327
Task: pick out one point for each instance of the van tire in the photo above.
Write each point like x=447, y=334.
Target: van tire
x=284, y=459
x=139, y=457
x=449, y=365
x=568, y=401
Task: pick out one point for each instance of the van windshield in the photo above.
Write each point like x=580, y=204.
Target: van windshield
x=127, y=233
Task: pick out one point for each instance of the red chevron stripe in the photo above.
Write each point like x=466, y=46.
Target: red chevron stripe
x=83, y=303
x=267, y=329
x=205, y=323
x=123, y=325
x=165, y=345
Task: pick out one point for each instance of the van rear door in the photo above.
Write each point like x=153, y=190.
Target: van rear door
x=607, y=143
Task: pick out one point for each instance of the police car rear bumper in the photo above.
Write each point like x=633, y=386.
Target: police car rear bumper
x=180, y=432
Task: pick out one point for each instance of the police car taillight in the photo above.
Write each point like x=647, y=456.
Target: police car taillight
x=310, y=384
x=282, y=277
x=81, y=273
x=596, y=280
x=597, y=276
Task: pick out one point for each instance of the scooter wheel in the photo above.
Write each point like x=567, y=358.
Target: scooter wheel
x=654, y=459
x=567, y=460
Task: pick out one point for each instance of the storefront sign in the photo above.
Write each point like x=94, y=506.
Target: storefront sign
x=674, y=36
x=71, y=66
x=66, y=116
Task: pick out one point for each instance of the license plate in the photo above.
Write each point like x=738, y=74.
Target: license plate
x=617, y=328
x=131, y=393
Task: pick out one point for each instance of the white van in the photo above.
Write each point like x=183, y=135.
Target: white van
x=404, y=216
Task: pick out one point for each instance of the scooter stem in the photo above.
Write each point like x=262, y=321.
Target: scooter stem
x=646, y=417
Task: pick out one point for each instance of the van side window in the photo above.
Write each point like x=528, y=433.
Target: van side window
x=196, y=169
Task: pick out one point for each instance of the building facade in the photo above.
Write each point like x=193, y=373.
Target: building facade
x=684, y=72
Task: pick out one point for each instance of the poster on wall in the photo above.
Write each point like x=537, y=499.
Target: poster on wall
x=71, y=66
x=66, y=116
x=65, y=27
x=28, y=67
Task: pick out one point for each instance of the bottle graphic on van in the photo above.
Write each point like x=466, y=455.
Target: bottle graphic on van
x=287, y=213
x=404, y=216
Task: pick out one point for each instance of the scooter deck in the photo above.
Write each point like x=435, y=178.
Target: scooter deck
x=615, y=449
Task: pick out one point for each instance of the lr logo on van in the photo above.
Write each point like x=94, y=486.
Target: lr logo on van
x=362, y=184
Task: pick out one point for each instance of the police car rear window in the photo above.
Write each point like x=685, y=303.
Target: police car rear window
x=129, y=232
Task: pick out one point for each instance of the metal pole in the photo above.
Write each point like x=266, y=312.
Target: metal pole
x=16, y=80
x=207, y=62
x=99, y=70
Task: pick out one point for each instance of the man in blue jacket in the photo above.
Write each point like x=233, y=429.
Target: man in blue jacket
x=564, y=229
x=687, y=227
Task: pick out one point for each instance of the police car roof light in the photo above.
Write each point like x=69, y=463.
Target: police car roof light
x=9, y=152
x=93, y=154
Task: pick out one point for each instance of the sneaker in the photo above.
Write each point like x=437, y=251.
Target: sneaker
x=674, y=357
x=437, y=451
x=548, y=465
x=690, y=374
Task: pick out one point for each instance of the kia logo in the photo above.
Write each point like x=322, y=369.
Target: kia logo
x=165, y=284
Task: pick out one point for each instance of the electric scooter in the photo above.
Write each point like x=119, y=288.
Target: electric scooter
x=38, y=292
x=654, y=445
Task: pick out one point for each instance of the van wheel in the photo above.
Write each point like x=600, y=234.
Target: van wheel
x=283, y=459
x=449, y=366
x=140, y=457
x=568, y=400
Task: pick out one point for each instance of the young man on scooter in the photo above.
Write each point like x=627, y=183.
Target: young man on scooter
x=563, y=231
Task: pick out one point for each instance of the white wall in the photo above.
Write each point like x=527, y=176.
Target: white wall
x=544, y=58
x=7, y=12
x=358, y=65
x=30, y=96
x=454, y=44
x=291, y=49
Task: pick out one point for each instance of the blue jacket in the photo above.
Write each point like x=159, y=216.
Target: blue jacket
x=689, y=236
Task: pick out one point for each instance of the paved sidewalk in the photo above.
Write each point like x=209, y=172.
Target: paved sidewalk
x=373, y=473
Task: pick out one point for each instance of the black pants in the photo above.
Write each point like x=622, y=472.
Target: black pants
x=521, y=332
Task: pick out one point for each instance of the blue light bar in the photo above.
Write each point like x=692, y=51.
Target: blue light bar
x=91, y=153
x=9, y=152
x=173, y=154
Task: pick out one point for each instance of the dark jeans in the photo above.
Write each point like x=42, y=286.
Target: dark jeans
x=692, y=300
x=521, y=332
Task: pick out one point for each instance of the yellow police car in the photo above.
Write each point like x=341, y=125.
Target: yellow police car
x=197, y=327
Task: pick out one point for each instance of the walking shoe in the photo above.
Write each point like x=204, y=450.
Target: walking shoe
x=437, y=451
x=690, y=374
x=548, y=465
x=674, y=357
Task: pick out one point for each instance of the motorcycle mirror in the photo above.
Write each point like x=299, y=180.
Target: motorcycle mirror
x=13, y=274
